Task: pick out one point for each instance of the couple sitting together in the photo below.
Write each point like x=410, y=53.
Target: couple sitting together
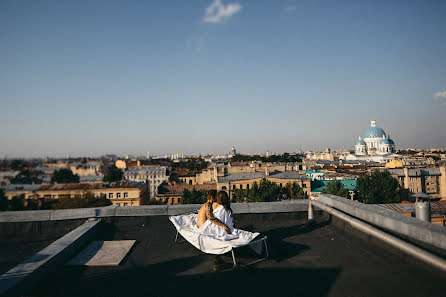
x=215, y=216
x=212, y=229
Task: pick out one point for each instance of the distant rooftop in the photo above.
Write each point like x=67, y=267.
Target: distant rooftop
x=320, y=185
x=90, y=186
x=254, y=175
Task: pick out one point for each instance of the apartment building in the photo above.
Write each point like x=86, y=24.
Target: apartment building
x=153, y=177
x=430, y=180
x=123, y=193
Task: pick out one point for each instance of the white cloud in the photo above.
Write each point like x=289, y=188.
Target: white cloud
x=291, y=8
x=441, y=96
x=217, y=12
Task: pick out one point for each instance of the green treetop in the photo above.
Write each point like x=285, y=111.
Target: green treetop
x=379, y=187
x=113, y=174
x=64, y=176
x=336, y=188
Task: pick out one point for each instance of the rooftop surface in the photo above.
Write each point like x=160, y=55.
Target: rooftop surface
x=19, y=241
x=327, y=258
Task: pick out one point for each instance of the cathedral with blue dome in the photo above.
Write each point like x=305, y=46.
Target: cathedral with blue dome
x=374, y=145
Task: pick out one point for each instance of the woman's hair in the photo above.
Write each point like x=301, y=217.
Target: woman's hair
x=212, y=194
x=223, y=199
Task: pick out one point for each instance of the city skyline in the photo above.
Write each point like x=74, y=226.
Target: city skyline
x=92, y=78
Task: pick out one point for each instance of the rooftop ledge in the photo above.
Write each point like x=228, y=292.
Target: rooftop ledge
x=413, y=228
x=144, y=210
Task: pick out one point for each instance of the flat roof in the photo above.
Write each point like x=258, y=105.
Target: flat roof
x=327, y=258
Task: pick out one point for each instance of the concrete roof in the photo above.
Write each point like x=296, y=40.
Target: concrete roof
x=415, y=172
x=141, y=170
x=288, y=175
x=240, y=176
x=327, y=258
x=20, y=187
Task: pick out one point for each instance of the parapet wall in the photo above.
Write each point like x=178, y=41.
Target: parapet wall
x=144, y=210
x=392, y=221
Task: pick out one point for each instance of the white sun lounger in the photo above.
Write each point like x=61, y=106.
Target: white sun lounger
x=185, y=226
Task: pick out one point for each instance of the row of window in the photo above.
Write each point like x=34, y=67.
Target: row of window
x=172, y=200
x=118, y=195
x=124, y=204
x=145, y=176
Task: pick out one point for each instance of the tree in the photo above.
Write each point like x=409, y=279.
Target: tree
x=379, y=187
x=64, y=176
x=113, y=174
x=265, y=191
x=27, y=177
x=192, y=164
x=154, y=202
x=3, y=201
x=88, y=200
x=17, y=202
x=17, y=164
x=193, y=197
x=294, y=191
x=336, y=188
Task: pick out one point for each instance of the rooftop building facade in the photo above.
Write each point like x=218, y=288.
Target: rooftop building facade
x=123, y=193
x=429, y=180
x=153, y=176
x=245, y=181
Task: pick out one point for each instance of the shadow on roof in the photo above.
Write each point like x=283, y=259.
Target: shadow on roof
x=170, y=278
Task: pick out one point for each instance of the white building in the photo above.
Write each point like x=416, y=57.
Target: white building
x=152, y=176
x=375, y=145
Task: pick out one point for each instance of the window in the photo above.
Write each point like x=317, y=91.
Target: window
x=280, y=184
x=241, y=186
x=247, y=186
x=110, y=195
x=118, y=204
x=233, y=187
x=126, y=195
x=173, y=201
x=125, y=204
x=118, y=195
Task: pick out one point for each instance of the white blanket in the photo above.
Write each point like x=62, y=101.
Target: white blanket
x=210, y=238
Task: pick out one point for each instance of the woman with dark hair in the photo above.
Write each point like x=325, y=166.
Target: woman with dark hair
x=223, y=199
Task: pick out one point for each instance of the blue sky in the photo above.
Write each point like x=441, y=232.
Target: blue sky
x=127, y=77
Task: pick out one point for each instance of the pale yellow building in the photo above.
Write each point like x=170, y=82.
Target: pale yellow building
x=211, y=174
x=119, y=193
x=429, y=180
x=395, y=163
